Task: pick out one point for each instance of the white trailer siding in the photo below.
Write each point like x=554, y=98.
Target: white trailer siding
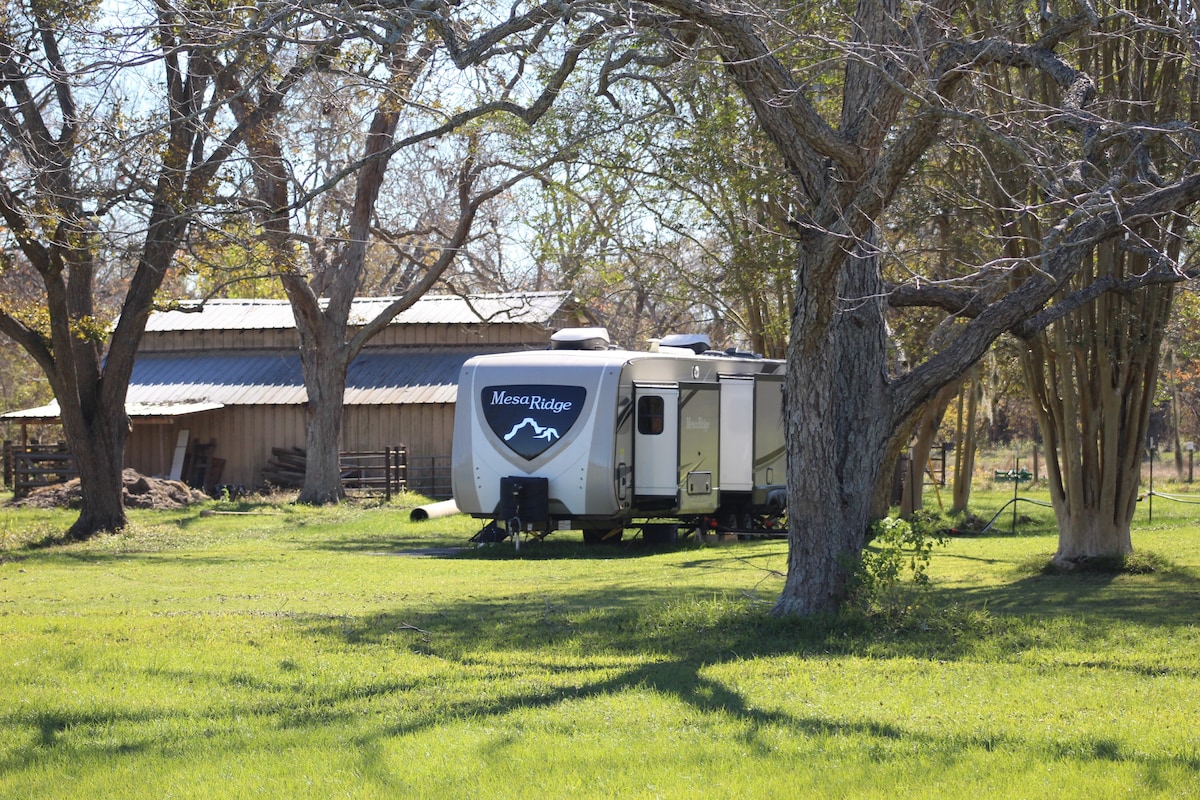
x=656, y=442
x=770, y=454
x=737, y=433
x=616, y=434
x=578, y=458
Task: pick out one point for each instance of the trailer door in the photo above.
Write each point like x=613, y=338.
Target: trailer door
x=737, y=433
x=656, y=441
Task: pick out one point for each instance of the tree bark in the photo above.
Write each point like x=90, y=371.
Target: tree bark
x=98, y=450
x=838, y=426
x=325, y=380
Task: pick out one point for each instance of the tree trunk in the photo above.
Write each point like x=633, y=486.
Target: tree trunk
x=99, y=450
x=325, y=380
x=967, y=444
x=1093, y=376
x=1176, y=420
x=839, y=422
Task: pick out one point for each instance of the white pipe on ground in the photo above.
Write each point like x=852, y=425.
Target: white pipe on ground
x=445, y=508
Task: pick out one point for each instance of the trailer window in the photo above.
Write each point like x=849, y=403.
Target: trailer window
x=650, y=415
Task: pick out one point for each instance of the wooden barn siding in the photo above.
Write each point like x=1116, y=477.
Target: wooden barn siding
x=427, y=429
x=469, y=336
x=164, y=341
x=244, y=435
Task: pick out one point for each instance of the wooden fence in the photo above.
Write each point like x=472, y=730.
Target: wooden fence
x=430, y=475
x=375, y=471
x=364, y=471
x=28, y=467
x=32, y=466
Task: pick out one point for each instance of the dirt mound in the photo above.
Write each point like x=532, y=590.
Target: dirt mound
x=140, y=492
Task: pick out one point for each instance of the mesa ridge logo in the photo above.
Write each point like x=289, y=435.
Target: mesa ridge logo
x=535, y=402
x=531, y=418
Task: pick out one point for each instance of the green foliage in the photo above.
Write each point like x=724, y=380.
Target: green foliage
x=230, y=261
x=894, y=563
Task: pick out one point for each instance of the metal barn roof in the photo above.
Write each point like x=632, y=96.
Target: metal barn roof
x=177, y=384
x=251, y=314
x=375, y=377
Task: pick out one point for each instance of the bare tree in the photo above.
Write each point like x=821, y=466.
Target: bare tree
x=670, y=216
x=411, y=61
x=93, y=167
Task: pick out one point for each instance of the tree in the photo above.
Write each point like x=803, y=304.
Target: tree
x=907, y=71
x=395, y=62
x=89, y=164
x=669, y=217
x=1181, y=369
x=1093, y=372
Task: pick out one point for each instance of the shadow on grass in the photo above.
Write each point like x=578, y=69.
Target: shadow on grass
x=545, y=550
x=1165, y=598
x=49, y=728
x=591, y=647
x=61, y=557
x=496, y=656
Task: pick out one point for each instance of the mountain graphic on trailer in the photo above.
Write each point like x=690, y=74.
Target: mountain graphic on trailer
x=539, y=432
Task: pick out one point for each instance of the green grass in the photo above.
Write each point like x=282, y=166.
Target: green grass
x=305, y=652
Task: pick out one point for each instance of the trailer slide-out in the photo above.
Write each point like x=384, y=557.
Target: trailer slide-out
x=600, y=440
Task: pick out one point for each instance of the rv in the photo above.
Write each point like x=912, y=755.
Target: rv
x=585, y=437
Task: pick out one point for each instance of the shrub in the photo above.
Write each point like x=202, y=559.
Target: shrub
x=893, y=567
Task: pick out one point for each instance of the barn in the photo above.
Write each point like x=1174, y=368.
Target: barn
x=217, y=389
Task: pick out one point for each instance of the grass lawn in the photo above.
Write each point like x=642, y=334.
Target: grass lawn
x=291, y=652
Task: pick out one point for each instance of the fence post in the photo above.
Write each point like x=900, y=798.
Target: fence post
x=387, y=475
x=402, y=467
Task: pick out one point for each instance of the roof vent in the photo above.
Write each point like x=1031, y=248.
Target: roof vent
x=580, y=339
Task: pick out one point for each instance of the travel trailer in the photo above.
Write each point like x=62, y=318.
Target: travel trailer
x=586, y=437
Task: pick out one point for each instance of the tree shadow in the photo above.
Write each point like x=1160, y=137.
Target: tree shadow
x=671, y=656
x=549, y=549
x=1169, y=597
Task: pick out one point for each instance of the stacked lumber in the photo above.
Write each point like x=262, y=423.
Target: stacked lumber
x=285, y=467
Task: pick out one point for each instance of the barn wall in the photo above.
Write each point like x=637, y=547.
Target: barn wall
x=469, y=336
x=164, y=341
x=426, y=429
x=244, y=435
